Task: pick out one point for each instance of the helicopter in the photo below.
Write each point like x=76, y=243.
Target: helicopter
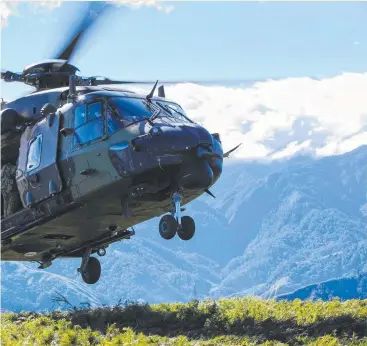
x=92, y=161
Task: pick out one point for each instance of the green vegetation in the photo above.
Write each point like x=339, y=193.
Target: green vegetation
x=241, y=321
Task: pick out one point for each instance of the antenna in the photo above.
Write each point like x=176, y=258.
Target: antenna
x=72, y=87
x=150, y=95
x=161, y=92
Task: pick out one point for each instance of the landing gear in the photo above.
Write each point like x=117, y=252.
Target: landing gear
x=92, y=271
x=169, y=225
x=177, y=199
x=90, y=268
x=187, y=229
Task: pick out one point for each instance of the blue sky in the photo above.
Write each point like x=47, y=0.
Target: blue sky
x=199, y=40
x=230, y=41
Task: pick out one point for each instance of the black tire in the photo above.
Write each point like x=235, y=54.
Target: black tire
x=168, y=227
x=92, y=271
x=187, y=229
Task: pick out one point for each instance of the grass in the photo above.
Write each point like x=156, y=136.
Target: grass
x=240, y=321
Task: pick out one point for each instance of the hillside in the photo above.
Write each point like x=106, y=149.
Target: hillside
x=307, y=225
x=225, y=322
x=345, y=288
x=272, y=229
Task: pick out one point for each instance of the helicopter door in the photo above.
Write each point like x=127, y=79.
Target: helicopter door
x=37, y=159
x=90, y=148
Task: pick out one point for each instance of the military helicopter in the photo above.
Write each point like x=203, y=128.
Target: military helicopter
x=93, y=160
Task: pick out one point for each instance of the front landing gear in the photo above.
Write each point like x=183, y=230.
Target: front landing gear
x=187, y=229
x=90, y=268
x=169, y=225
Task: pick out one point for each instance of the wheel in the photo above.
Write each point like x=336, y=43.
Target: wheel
x=168, y=227
x=187, y=229
x=92, y=271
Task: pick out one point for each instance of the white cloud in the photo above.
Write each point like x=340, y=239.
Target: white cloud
x=7, y=8
x=150, y=3
x=278, y=119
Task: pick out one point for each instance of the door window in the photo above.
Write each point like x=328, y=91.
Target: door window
x=80, y=116
x=34, y=153
x=88, y=123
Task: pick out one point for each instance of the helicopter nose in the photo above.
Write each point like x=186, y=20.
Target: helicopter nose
x=167, y=139
x=194, y=155
x=202, y=135
x=202, y=169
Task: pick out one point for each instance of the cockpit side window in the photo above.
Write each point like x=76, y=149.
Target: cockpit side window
x=34, y=153
x=94, y=111
x=80, y=116
x=88, y=123
x=113, y=122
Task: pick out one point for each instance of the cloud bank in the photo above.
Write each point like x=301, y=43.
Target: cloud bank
x=278, y=119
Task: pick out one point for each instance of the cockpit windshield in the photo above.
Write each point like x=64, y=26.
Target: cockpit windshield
x=131, y=110
x=173, y=110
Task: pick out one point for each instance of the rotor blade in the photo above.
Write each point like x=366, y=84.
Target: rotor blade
x=231, y=151
x=107, y=81
x=94, y=10
x=6, y=74
x=9, y=76
x=200, y=82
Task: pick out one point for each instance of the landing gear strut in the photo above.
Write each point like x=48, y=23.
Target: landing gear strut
x=90, y=268
x=177, y=199
x=169, y=225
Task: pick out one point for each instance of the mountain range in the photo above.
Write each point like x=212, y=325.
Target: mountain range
x=273, y=229
x=345, y=288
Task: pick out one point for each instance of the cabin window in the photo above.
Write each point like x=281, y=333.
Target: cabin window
x=88, y=123
x=34, y=153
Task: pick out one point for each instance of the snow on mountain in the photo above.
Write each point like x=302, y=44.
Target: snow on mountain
x=273, y=228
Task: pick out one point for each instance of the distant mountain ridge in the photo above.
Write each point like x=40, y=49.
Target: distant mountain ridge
x=344, y=289
x=272, y=229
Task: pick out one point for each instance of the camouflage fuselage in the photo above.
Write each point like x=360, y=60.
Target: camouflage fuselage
x=88, y=195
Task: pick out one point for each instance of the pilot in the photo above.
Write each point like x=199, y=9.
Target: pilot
x=9, y=191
